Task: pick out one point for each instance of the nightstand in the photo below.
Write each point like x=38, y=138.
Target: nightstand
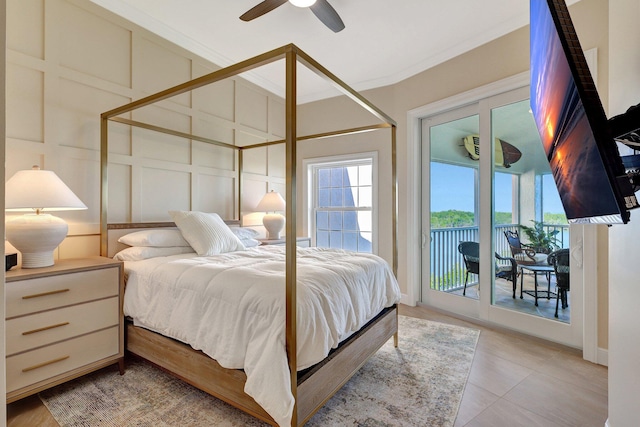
x=62, y=322
x=303, y=242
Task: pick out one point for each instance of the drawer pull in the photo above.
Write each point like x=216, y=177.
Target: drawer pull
x=44, y=294
x=40, y=365
x=45, y=328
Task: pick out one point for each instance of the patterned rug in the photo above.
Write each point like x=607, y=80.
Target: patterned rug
x=420, y=383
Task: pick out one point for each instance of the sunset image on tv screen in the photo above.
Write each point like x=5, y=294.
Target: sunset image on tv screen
x=564, y=128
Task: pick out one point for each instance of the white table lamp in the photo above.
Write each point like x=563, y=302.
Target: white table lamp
x=36, y=234
x=271, y=203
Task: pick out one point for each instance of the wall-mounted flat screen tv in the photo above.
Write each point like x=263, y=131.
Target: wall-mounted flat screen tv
x=584, y=158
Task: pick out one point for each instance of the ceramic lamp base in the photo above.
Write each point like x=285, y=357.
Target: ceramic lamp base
x=274, y=223
x=36, y=237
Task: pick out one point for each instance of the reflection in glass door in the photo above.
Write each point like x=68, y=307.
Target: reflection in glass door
x=525, y=204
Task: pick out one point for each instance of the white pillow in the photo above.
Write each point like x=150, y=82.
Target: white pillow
x=137, y=253
x=250, y=243
x=206, y=232
x=157, y=238
x=244, y=232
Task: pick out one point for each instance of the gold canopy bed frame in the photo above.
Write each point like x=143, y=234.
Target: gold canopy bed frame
x=314, y=386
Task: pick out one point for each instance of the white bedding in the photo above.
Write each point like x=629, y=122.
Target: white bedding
x=232, y=307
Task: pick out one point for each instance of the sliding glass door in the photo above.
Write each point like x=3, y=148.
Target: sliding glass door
x=485, y=176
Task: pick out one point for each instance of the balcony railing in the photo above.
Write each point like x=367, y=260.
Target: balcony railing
x=447, y=265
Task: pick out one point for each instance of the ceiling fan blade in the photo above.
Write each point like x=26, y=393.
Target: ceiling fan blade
x=328, y=15
x=261, y=8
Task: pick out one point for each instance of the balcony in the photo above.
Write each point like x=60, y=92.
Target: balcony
x=448, y=271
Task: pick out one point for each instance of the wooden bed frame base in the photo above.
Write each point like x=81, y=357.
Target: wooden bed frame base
x=316, y=385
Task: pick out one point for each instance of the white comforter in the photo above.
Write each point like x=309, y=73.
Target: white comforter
x=232, y=307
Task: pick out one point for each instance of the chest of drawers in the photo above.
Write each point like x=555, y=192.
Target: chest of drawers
x=62, y=322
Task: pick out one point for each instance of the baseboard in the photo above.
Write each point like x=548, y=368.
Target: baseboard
x=603, y=356
x=404, y=299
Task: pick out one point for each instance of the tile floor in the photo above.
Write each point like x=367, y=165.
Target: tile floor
x=517, y=380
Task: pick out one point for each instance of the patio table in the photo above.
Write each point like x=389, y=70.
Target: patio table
x=535, y=269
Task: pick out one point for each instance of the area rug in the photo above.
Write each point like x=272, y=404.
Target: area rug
x=420, y=383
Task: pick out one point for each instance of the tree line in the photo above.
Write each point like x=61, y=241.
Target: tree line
x=453, y=218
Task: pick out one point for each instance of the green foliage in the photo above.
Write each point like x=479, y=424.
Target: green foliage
x=555, y=218
x=542, y=241
x=503, y=218
x=453, y=218
x=452, y=279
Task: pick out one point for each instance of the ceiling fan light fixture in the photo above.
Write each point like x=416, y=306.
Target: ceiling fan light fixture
x=302, y=3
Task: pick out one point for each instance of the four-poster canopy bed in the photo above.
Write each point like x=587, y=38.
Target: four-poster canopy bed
x=310, y=387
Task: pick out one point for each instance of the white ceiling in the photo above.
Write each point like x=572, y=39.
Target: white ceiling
x=383, y=43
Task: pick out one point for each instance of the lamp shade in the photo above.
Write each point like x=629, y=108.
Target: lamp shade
x=271, y=202
x=35, y=189
x=37, y=235
x=273, y=222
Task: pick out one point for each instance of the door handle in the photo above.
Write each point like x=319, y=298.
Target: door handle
x=424, y=240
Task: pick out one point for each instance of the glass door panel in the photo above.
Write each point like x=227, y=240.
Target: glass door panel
x=526, y=202
x=453, y=207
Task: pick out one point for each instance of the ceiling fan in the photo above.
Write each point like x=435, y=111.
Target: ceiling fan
x=321, y=8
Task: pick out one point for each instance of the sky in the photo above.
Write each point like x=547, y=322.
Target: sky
x=452, y=187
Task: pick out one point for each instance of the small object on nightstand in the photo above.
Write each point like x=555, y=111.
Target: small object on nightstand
x=36, y=234
x=12, y=261
x=274, y=222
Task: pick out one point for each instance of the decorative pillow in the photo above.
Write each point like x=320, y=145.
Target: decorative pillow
x=244, y=232
x=206, y=232
x=250, y=243
x=158, y=238
x=137, y=253
x=537, y=259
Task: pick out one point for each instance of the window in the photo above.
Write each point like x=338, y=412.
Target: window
x=342, y=203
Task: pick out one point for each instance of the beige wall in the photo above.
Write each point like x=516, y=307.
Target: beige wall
x=624, y=339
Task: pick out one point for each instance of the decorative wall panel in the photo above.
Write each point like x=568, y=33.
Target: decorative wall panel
x=120, y=193
x=156, y=146
x=25, y=118
x=251, y=107
x=213, y=128
x=160, y=191
x=157, y=67
x=244, y=138
x=26, y=35
x=217, y=99
x=254, y=161
x=276, y=161
x=73, y=60
x=214, y=157
x=212, y=193
x=73, y=123
x=276, y=118
x=90, y=44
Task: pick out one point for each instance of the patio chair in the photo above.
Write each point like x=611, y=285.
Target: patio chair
x=471, y=254
x=560, y=261
x=523, y=253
